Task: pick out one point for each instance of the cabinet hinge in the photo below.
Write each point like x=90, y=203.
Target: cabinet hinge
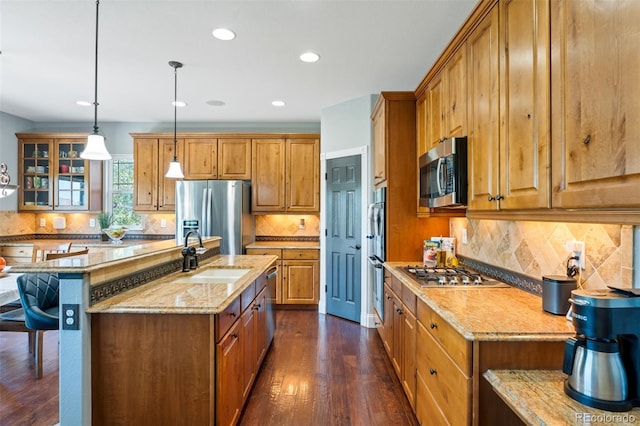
x=326, y=177
x=325, y=288
x=326, y=232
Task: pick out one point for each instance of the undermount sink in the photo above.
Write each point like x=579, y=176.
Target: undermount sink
x=219, y=275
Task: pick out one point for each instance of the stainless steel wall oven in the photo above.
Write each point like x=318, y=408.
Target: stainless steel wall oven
x=377, y=247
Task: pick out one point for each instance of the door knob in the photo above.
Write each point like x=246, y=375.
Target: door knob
x=357, y=247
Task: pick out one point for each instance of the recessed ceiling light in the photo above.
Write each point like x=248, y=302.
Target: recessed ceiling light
x=215, y=102
x=278, y=103
x=83, y=103
x=309, y=57
x=179, y=104
x=224, y=34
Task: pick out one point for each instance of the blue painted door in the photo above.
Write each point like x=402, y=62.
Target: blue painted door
x=344, y=237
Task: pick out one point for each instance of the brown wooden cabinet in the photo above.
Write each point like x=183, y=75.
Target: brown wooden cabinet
x=298, y=279
x=229, y=375
x=455, y=100
x=594, y=63
x=152, y=190
x=217, y=158
x=52, y=176
x=286, y=175
x=379, y=145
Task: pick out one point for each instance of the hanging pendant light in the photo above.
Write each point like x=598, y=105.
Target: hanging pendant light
x=96, y=149
x=175, y=171
x=6, y=188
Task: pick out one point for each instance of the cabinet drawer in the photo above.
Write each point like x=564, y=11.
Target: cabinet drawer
x=16, y=251
x=409, y=299
x=265, y=251
x=308, y=254
x=427, y=410
x=456, y=346
x=449, y=386
x=226, y=318
x=247, y=296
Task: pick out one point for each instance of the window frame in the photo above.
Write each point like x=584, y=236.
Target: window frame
x=108, y=193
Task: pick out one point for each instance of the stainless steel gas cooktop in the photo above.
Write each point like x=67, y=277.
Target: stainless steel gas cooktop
x=450, y=277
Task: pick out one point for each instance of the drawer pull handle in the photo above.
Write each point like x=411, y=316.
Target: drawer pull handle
x=233, y=314
x=587, y=140
x=235, y=335
x=433, y=371
x=433, y=325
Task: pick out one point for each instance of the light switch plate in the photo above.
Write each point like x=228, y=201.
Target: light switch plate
x=163, y=223
x=92, y=223
x=43, y=222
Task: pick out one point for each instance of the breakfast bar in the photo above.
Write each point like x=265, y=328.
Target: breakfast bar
x=117, y=290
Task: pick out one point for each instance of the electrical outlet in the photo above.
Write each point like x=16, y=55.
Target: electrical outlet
x=92, y=223
x=577, y=249
x=163, y=223
x=70, y=319
x=465, y=237
x=43, y=222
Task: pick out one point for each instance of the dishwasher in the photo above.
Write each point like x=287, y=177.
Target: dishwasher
x=272, y=275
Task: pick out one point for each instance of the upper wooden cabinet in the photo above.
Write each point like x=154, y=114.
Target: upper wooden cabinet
x=509, y=116
x=379, y=145
x=286, y=175
x=152, y=191
x=595, y=91
x=455, y=95
x=52, y=176
x=222, y=158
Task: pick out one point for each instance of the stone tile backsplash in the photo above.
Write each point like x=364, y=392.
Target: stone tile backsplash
x=538, y=248
x=283, y=225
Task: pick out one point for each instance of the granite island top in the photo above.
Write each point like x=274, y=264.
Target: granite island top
x=188, y=292
x=80, y=243
x=538, y=398
x=481, y=313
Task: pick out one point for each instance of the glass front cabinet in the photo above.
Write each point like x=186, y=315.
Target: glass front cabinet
x=54, y=177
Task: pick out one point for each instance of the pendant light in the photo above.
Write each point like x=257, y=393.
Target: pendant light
x=5, y=188
x=175, y=171
x=95, y=149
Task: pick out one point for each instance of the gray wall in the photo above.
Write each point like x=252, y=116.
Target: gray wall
x=9, y=125
x=347, y=125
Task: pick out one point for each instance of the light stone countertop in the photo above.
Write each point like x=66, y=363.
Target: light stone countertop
x=538, y=398
x=185, y=293
x=285, y=245
x=78, y=244
x=480, y=313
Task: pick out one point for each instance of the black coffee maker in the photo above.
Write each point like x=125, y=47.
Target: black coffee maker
x=603, y=359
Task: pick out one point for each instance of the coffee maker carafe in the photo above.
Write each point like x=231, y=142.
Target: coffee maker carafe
x=603, y=360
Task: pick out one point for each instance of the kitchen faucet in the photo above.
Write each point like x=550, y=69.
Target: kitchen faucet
x=190, y=254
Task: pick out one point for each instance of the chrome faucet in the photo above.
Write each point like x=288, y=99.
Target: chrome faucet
x=190, y=254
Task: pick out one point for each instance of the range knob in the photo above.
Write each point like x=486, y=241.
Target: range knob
x=442, y=280
x=453, y=280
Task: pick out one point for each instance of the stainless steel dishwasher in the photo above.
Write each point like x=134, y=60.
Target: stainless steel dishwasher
x=272, y=275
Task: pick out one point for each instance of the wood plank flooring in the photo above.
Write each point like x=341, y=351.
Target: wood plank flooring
x=321, y=370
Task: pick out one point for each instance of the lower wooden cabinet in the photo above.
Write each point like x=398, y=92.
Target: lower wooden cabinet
x=229, y=375
x=298, y=280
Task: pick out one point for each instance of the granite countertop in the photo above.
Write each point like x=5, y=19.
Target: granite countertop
x=77, y=243
x=538, y=398
x=120, y=254
x=185, y=292
x=480, y=313
x=285, y=244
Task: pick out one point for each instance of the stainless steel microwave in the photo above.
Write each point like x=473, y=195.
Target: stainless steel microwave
x=443, y=175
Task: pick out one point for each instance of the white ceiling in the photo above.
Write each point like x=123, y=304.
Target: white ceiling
x=47, y=59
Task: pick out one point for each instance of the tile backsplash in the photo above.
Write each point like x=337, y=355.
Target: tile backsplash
x=538, y=248
x=283, y=225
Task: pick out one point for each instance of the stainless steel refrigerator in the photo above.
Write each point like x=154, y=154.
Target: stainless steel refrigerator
x=216, y=208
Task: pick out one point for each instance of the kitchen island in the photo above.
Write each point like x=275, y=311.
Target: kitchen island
x=136, y=300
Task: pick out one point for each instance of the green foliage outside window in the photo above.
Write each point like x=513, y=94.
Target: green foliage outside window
x=122, y=194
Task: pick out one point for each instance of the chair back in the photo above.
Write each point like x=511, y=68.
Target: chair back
x=40, y=250
x=39, y=296
x=50, y=256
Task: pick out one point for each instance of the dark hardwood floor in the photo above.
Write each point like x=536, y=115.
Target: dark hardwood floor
x=23, y=399
x=321, y=370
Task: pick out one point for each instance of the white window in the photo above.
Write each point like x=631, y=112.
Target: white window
x=119, y=192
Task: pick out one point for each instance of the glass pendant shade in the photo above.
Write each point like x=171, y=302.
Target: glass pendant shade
x=175, y=171
x=95, y=149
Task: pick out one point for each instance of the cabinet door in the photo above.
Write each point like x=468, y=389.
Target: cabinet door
x=267, y=170
x=379, y=146
x=261, y=327
x=229, y=377
x=387, y=339
x=409, y=355
x=234, y=159
x=397, y=352
x=167, y=186
x=483, y=139
x=200, y=158
x=595, y=88
x=145, y=160
x=456, y=94
x=303, y=175
x=301, y=282
x=35, y=174
x=249, y=349
x=70, y=176
x=437, y=110
x=525, y=102
x=423, y=130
